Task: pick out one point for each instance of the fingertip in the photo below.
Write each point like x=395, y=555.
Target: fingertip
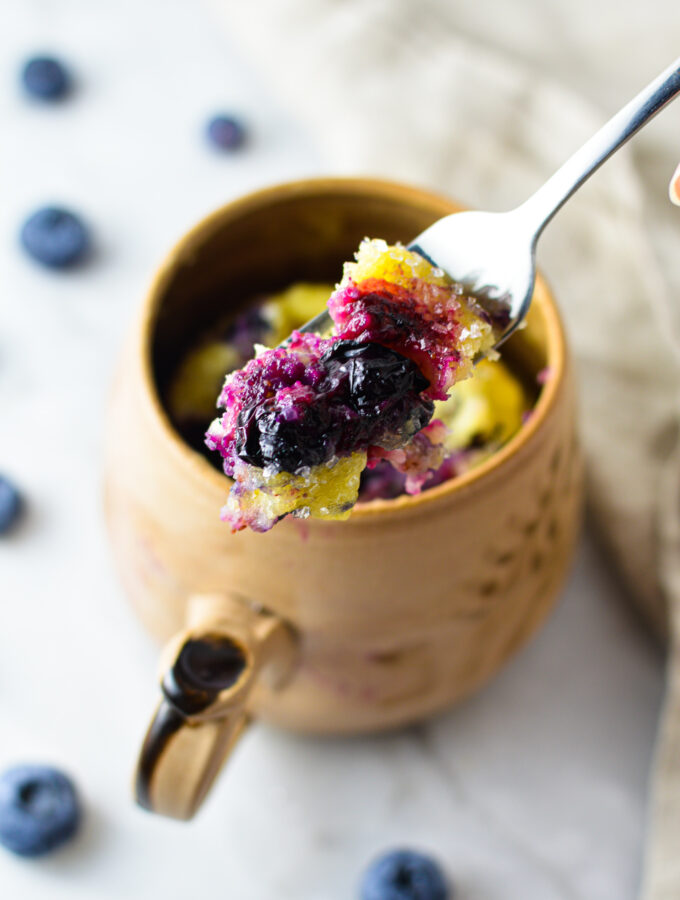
x=674, y=187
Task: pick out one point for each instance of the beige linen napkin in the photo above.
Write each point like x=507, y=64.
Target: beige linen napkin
x=387, y=88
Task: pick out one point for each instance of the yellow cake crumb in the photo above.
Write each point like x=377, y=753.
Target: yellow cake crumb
x=486, y=409
x=293, y=307
x=327, y=491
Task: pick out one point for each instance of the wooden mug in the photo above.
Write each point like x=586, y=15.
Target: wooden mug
x=327, y=627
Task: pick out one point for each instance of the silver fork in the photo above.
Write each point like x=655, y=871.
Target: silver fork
x=494, y=254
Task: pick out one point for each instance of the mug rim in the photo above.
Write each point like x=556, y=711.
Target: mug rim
x=201, y=469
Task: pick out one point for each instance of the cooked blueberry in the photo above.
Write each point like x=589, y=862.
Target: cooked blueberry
x=400, y=420
x=10, y=505
x=45, y=78
x=382, y=482
x=39, y=810
x=404, y=875
x=247, y=329
x=355, y=395
x=226, y=132
x=55, y=237
x=301, y=435
x=375, y=374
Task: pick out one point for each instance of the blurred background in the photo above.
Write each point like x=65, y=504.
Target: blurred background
x=537, y=787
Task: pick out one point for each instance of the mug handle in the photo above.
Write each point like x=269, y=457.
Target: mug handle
x=208, y=673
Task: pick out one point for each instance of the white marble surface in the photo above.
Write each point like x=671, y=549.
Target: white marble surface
x=536, y=788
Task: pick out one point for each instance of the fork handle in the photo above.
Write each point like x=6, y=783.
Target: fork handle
x=542, y=206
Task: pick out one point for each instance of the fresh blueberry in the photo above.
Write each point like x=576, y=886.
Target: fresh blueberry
x=10, y=504
x=45, y=78
x=39, y=810
x=226, y=132
x=55, y=237
x=404, y=875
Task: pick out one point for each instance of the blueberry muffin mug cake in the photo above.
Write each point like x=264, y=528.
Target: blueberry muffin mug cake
x=315, y=425
x=392, y=607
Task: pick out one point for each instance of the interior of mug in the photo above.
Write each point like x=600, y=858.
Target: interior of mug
x=301, y=232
